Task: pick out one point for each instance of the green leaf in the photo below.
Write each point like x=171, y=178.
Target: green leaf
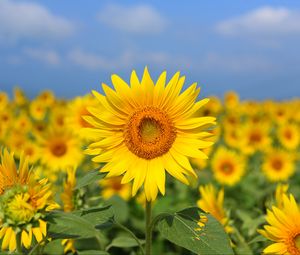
x=120, y=208
x=100, y=217
x=68, y=225
x=182, y=229
x=92, y=252
x=53, y=248
x=257, y=239
x=123, y=242
x=89, y=178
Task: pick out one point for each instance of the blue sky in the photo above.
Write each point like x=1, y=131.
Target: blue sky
x=73, y=46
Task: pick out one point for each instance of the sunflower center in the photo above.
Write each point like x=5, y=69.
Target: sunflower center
x=297, y=241
x=255, y=137
x=149, y=133
x=19, y=208
x=288, y=134
x=277, y=164
x=59, y=149
x=227, y=167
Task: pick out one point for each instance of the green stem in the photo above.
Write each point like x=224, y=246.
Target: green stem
x=148, y=228
x=19, y=246
x=133, y=235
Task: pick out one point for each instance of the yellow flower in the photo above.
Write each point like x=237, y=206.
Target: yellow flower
x=255, y=138
x=283, y=228
x=281, y=190
x=32, y=151
x=23, y=203
x=37, y=110
x=78, y=109
x=278, y=165
x=67, y=196
x=47, y=98
x=68, y=199
x=113, y=186
x=19, y=97
x=212, y=202
x=4, y=100
x=60, y=149
x=143, y=129
x=231, y=100
x=289, y=136
x=228, y=166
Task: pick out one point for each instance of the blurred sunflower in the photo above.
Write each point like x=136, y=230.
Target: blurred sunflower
x=283, y=228
x=69, y=204
x=280, y=191
x=289, y=136
x=4, y=100
x=212, y=202
x=145, y=128
x=231, y=100
x=23, y=204
x=47, y=98
x=255, y=138
x=113, y=186
x=20, y=98
x=228, y=166
x=60, y=149
x=37, y=110
x=32, y=151
x=278, y=165
x=78, y=109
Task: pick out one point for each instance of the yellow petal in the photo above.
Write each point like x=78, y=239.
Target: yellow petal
x=12, y=242
x=26, y=238
x=276, y=248
x=6, y=239
x=43, y=227
x=38, y=234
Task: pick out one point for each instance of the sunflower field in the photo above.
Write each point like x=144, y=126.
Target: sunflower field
x=148, y=166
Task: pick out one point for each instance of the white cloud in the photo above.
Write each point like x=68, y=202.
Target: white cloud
x=142, y=19
x=127, y=59
x=43, y=55
x=265, y=21
x=20, y=20
x=234, y=64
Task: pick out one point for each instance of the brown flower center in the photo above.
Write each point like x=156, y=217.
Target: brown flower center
x=227, y=167
x=255, y=137
x=297, y=241
x=149, y=133
x=58, y=149
x=277, y=164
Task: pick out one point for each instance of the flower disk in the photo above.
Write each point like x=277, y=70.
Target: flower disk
x=142, y=129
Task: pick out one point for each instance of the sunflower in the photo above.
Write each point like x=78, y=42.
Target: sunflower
x=231, y=100
x=37, y=110
x=46, y=97
x=289, y=136
x=68, y=199
x=32, y=151
x=278, y=165
x=212, y=202
x=112, y=186
x=256, y=138
x=78, y=109
x=280, y=191
x=20, y=98
x=23, y=204
x=283, y=228
x=146, y=128
x=60, y=149
x=4, y=100
x=228, y=166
